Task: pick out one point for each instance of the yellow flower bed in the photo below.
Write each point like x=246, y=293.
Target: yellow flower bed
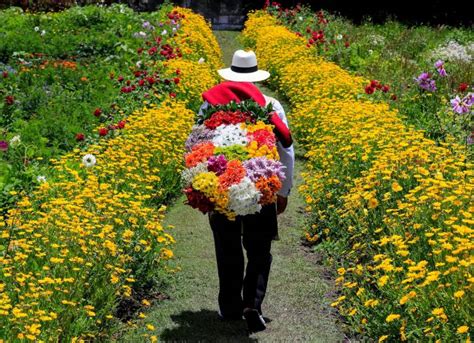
x=396, y=206
x=73, y=249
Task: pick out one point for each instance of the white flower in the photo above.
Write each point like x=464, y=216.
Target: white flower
x=37, y=28
x=201, y=60
x=371, y=51
x=188, y=175
x=453, y=51
x=228, y=135
x=15, y=141
x=139, y=64
x=300, y=18
x=174, y=29
x=140, y=34
x=244, y=198
x=43, y=32
x=339, y=37
x=41, y=178
x=164, y=32
x=89, y=160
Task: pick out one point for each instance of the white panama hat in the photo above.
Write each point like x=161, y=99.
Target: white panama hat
x=244, y=68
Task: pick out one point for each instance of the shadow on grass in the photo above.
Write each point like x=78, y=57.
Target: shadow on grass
x=205, y=326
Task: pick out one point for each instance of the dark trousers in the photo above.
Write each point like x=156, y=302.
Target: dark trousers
x=255, y=232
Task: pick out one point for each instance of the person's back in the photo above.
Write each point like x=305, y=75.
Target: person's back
x=238, y=294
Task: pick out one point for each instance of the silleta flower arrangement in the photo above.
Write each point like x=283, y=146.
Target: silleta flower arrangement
x=232, y=163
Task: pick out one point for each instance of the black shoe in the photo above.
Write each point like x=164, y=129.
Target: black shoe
x=229, y=317
x=255, y=321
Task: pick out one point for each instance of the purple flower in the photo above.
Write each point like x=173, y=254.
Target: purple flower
x=217, y=164
x=469, y=99
x=439, y=64
x=470, y=139
x=3, y=146
x=199, y=134
x=425, y=81
x=442, y=72
x=262, y=167
x=459, y=106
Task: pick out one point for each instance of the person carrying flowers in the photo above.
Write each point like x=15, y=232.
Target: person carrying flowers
x=239, y=163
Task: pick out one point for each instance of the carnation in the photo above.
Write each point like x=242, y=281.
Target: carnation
x=244, y=198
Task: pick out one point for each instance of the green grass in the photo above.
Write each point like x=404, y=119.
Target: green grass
x=299, y=292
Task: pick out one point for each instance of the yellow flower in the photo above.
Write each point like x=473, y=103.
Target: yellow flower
x=392, y=317
x=372, y=203
x=383, y=338
x=396, y=187
x=150, y=327
x=459, y=294
x=462, y=329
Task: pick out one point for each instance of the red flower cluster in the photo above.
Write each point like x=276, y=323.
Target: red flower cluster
x=321, y=19
x=317, y=37
x=263, y=137
x=200, y=153
x=198, y=200
x=374, y=85
x=227, y=118
x=9, y=100
x=463, y=87
x=103, y=131
x=234, y=173
x=175, y=15
x=80, y=137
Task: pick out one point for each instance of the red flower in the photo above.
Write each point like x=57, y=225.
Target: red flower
x=141, y=83
x=347, y=44
x=97, y=112
x=137, y=73
x=369, y=89
x=126, y=89
x=9, y=100
x=463, y=87
x=176, y=80
x=139, y=51
x=5, y=74
x=393, y=97
x=178, y=71
x=374, y=84
x=103, y=131
x=80, y=137
x=172, y=95
x=150, y=80
x=385, y=88
x=121, y=124
x=120, y=78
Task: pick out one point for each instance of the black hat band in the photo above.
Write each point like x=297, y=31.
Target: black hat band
x=244, y=69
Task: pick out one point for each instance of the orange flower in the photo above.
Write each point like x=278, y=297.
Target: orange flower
x=268, y=187
x=200, y=153
x=234, y=173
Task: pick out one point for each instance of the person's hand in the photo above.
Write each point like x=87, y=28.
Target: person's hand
x=281, y=203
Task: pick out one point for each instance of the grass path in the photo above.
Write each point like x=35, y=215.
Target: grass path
x=297, y=300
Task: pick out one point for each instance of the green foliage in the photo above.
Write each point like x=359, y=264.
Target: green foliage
x=257, y=112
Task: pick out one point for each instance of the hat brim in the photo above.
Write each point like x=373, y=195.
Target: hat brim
x=255, y=76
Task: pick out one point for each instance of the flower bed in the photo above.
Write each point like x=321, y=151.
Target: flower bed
x=91, y=233
x=65, y=84
x=418, y=69
x=395, y=206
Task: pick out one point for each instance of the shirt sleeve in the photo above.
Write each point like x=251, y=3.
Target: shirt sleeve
x=204, y=105
x=287, y=155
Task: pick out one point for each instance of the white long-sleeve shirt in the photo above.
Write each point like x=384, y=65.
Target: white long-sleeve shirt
x=287, y=155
